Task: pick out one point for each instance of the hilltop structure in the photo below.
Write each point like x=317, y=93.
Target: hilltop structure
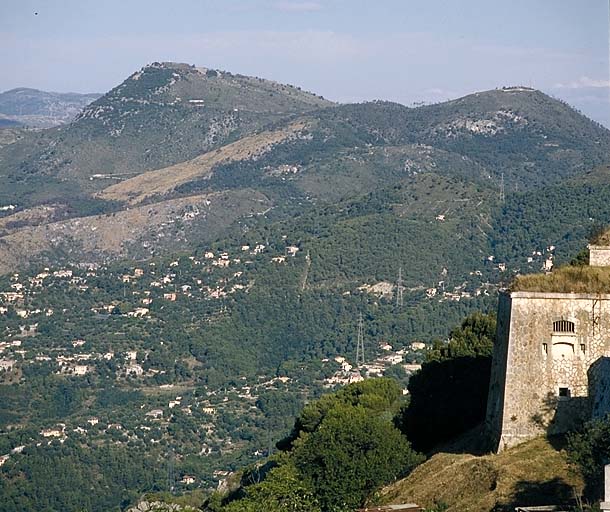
x=550, y=369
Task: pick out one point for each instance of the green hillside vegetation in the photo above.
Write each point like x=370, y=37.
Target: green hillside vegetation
x=588, y=451
x=449, y=393
x=99, y=478
x=519, y=133
x=175, y=131
x=532, y=139
x=562, y=215
x=312, y=166
x=344, y=447
x=576, y=277
x=602, y=237
x=530, y=151
x=148, y=122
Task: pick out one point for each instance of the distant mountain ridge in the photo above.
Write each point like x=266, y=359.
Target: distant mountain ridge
x=162, y=115
x=41, y=109
x=172, y=131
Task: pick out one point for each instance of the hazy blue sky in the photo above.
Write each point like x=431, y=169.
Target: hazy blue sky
x=347, y=50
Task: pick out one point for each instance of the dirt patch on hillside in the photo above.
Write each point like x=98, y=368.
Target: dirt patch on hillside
x=163, y=181
x=29, y=217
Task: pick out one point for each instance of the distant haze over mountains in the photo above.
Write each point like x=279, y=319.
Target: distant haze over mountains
x=41, y=109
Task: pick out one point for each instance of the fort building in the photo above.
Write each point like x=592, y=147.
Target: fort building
x=551, y=364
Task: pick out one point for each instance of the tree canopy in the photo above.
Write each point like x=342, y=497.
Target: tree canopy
x=343, y=447
x=449, y=394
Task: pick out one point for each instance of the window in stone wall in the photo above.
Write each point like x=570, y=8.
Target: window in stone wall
x=545, y=349
x=583, y=348
x=564, y=326
x=564, y=392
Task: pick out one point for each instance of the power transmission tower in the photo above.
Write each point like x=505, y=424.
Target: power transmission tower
x=399, y=288
x=360, y=343
x=502, y=194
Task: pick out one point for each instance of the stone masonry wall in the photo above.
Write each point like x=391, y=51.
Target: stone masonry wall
x=599, y=388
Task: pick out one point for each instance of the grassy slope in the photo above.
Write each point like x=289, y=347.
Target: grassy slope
x=534, y=473
x=568, y=279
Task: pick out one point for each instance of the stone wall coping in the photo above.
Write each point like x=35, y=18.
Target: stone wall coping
x=556, y=295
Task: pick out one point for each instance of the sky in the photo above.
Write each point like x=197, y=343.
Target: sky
x=409, y=51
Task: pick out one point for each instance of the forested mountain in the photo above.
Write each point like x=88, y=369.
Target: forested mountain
x=185, y=263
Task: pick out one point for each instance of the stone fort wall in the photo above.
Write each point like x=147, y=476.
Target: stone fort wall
x=546, y=344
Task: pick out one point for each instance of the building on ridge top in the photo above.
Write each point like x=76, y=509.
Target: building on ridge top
x=551, y=364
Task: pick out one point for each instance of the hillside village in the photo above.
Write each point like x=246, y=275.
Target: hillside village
x=135, y=298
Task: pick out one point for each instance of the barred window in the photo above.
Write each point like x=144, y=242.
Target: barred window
x=563, y=326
